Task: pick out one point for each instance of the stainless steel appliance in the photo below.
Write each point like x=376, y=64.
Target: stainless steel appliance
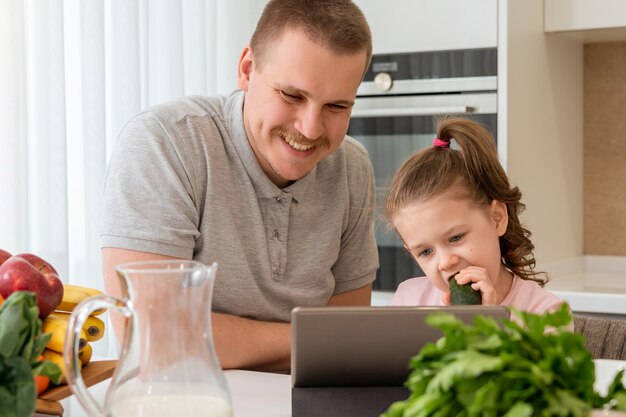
x=397, y=105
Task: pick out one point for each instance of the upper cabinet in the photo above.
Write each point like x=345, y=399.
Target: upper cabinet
x=427, y=25
x=589, y=21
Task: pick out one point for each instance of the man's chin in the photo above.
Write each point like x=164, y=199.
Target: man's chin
x=292, y=175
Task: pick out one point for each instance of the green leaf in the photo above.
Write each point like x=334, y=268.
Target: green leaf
x=619, y=401
x=15, y=327
x=444, y=321
x=520, y=409
x=426, y=404
x=17, y=388
x=615, y=397
x=395, y=410
x=616, y=385
x=484, y=343
x=565, y=404
x=40, y=343
x=468, y=364
x=485, y=399
x=21, y=343
x=48, y=369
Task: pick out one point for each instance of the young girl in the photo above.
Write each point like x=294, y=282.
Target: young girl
x=458, y=217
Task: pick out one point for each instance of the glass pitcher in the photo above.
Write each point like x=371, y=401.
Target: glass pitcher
x=167, y=365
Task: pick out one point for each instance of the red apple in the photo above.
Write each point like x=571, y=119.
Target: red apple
x=28, y=272
x=4, y=255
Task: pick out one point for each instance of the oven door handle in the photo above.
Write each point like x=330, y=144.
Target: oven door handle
x=411, y=111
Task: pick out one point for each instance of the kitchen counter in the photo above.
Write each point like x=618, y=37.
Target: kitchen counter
x=261, y=394
x=591, y=284
x=581, y=299
x=594, y=285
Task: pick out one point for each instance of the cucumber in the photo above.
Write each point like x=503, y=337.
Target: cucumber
x=463, y=294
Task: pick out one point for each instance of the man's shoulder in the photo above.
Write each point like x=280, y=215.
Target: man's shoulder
x=189, y=106
x=355, y=149
x=351, y=157
x=194, y=106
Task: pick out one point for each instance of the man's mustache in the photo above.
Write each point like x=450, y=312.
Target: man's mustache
x=299, y=138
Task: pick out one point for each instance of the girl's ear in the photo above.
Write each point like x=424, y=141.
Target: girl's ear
x=499, y=215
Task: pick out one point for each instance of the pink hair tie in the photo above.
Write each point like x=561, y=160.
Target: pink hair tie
x=441, y=143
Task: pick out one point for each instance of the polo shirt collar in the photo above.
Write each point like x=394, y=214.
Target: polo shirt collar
x=263, y=186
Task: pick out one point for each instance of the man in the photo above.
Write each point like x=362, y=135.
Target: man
x=264, y=182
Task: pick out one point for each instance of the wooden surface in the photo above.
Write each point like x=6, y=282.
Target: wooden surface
x=93, y=373
x=604, y=149
x=50, y=407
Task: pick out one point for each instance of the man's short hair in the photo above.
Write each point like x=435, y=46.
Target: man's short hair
x=338, y=25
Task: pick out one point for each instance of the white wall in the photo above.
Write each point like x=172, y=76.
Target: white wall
x=541, y=101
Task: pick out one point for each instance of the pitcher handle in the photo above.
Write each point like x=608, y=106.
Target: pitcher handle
x=70, y=348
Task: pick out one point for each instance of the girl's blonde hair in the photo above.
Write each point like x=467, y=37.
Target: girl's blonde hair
x=433, y=170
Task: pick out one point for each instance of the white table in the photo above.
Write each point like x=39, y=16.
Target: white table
x=260, y=394
x=254, y=394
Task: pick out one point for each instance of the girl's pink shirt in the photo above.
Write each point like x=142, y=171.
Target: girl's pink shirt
x=524, y=295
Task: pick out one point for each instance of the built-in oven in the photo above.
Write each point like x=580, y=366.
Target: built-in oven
x=395, y=112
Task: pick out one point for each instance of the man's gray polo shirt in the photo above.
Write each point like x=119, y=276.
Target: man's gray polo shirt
x=183, y=181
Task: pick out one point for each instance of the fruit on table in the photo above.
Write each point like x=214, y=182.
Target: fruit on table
x=74, y=294
x=4, y=255
x=41, y=382
x=85, y=354
x=464, y=294
x=57, y=327
x=28, y=272
x=93, y=327
x=57, y=358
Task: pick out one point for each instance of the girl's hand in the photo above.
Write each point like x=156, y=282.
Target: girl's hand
x=481, y=281
x=445, y=298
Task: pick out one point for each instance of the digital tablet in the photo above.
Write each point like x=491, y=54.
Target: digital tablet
x=364, y=346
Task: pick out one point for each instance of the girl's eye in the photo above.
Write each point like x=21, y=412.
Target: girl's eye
x=425, y=253
x=456, y=238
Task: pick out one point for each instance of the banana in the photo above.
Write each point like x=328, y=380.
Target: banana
x=57, y=326
x=74, y=294
x=57, y=358
x=93, y=327
x=85, y=354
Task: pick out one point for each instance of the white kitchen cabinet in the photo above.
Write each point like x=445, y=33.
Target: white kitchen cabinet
x=567, y=15
x=427, y=25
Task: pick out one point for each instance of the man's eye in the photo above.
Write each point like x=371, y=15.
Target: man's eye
x=456, y=238
x=338, y=107
x=289, y=97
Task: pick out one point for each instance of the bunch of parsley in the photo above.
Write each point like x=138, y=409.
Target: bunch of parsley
x=531, y=367
x=21, y=343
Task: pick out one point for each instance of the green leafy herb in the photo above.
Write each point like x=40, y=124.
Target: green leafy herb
x=21, y=343
x=532, y=366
